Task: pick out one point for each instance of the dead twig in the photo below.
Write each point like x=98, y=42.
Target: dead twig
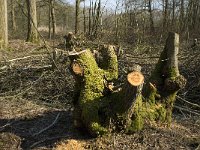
x=6, y=125
x=47, y=139
x=53, y=123
x=194, y=105
x=22, y=58
x=187, y=110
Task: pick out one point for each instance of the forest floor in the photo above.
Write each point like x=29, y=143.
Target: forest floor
x=36, y=110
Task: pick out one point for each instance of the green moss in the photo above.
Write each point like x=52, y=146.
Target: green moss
x=109, y=63
x=91, y=94
x=97, y=129
x=170, y=99
x=172, y=72
x=151, y=93
x=162, y=114
x=138, y=116
x=96, y=109
x=136, y=125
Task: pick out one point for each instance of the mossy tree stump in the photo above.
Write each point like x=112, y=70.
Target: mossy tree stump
x=166, y=80
x=97, y=103
x=90, y=87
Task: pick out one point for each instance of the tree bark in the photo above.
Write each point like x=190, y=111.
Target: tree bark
x=14, y=27
x=165, y=16
x=90, y=86
x=90, y=21
x=3, y=24
x=77, y=16
x=181, y=18
x=133, y=96
x=50, y=19
x=53, y=18
x=151, y=17
x=166, y=80
x=97, y=19
x=32, y=35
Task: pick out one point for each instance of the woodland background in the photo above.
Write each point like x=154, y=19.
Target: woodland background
x=36, y=87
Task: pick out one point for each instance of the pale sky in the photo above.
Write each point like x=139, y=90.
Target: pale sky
x=106, y=3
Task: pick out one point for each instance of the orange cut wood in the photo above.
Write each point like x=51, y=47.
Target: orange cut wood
x=77, y=69
x=135, y=78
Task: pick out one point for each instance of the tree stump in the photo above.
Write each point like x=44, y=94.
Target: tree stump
x=166, y=81
x=90, y=88
x=70, y=41
x=130, y=107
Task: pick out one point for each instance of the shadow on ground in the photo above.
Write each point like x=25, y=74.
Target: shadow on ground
x=25, y=133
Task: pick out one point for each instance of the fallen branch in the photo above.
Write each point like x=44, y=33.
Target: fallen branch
x=21, y=58
x=29, y=68
x=140, y=57
x=6, y=125
x=41, y=131
x=47, y=139
x=194, y=105
x=186, y=110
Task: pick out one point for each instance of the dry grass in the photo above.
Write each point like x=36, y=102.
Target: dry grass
x=70, y=145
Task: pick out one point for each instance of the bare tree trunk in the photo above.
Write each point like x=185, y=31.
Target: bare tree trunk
x=94, y=5
x=181, y=18
x=151, y=17
x=195, y=15
x=49, y=19
x=84, y=23
x=173, y=14
x=77, y=16
x=14, y=27
x=97, y=19
x=32, y=35
x=89, y=21
x=3, y=24
x=165, y=17
x=53, y=18
x=117, y=23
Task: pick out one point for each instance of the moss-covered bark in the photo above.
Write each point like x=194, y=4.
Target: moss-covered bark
x=166, y=80
x=129, y=108
x=109, y=62
x=90, y=91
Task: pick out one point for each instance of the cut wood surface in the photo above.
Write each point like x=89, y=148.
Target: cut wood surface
x=135, y=78
x=77, y=68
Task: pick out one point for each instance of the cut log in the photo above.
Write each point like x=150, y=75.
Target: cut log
x=69, y=41
x=135, y=78
x=77, y=69
x=132, y=98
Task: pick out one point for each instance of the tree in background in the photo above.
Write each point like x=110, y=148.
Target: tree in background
x=32, y=35
x=3, y=24
x=13, y=21
x=77, y=16
x=52, y=18
x=151, y=17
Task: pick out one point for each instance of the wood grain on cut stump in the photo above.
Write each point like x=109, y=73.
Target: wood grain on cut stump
x=77, y=69
x=135, y=78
